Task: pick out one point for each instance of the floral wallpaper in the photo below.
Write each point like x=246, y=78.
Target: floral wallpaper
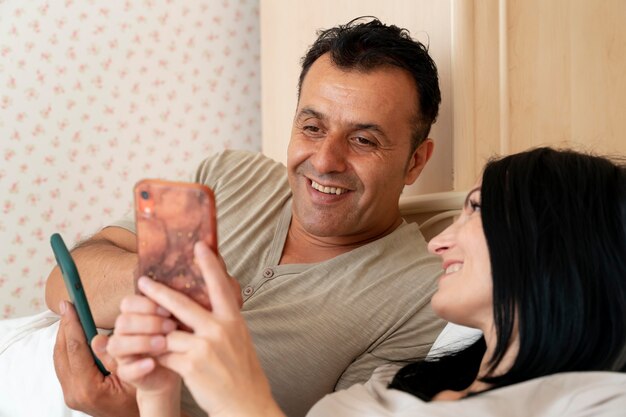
x=95, y=95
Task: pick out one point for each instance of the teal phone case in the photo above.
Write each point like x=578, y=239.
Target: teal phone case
x=76, y=292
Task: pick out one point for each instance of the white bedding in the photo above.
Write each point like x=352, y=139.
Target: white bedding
x=28, y=383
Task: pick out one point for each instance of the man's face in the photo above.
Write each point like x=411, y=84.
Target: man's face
x=349, y=155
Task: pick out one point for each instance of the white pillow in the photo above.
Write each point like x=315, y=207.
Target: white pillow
x=453, y=338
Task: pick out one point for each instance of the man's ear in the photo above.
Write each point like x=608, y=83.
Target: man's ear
x=418, y=161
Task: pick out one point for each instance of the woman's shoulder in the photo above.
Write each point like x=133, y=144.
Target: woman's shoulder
x=572, y=394
x=568, y=393
x=587, y=393
x=569, y=383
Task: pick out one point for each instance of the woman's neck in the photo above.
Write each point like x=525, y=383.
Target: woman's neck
x=491, y=340
x=485, y=368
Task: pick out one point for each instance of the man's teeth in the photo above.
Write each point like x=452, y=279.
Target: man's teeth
x=453, y=268
x=328, y=190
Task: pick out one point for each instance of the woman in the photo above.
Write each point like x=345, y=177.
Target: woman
x=537, y=261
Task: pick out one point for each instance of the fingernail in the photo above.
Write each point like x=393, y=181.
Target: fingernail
x=168, y=326
x=99, y=347
x=145, y=363
x=144, y=283
x=200, y=248
x=157, y=342
x=161, y=311
x=62, y=307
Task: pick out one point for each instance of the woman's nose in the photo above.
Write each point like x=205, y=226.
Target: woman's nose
x=442, y=242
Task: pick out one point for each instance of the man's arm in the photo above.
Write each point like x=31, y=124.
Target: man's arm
x=106, y=263
x=410, y=342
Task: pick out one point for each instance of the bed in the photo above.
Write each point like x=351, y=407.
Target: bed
x=26, y=343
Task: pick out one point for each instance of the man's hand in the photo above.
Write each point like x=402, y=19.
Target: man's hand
x=106, y=263
x=84, y=387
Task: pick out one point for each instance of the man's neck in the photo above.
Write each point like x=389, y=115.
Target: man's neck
x=303, y=248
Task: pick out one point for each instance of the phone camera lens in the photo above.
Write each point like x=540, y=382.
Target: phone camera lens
x=145, y=195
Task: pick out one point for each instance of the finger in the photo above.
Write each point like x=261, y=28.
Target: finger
x=180, y=341
x=182, y=348
x=177, y=362
x=236, y=290
x=136, y=369
x=98, y=345
x=211, y=242
x=222, y=261
x=184, y=308
x=79, y=355
x=217, y=280
x=127, y=323
x=121, y=346
x=235, y=287
x=234, y=284
x=142, y=305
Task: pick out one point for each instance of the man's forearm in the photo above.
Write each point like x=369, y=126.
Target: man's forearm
x=106, y=271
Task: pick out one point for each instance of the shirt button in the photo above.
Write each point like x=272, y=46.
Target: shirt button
x=268, y=272
x=248, y=290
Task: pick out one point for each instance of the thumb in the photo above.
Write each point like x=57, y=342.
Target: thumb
x=223, y=301
x=99, y=346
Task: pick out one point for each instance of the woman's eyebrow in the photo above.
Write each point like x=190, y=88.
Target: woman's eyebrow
x=469, y=194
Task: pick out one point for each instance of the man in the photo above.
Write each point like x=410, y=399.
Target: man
x=334, y=282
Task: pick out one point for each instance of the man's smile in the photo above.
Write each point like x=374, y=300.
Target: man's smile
x=328, y=190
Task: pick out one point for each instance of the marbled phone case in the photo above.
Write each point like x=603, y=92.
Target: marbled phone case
x=171, y=217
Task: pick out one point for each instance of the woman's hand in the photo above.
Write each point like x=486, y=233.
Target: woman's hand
x=140, y=336
x=217, y=359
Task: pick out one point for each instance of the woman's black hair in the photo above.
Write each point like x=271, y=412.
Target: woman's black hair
x=365, y=45
x=555, y=226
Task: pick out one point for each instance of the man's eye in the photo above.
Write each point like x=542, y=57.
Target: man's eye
x=363, y=141
x=313, y=129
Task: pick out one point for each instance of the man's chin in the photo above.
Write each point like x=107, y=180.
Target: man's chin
x=325, y=227
x=326, y=230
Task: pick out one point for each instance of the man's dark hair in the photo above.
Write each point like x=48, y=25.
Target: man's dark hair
x=369, y=45
x=555, y=226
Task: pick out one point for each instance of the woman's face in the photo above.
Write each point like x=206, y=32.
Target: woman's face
x=464, y=295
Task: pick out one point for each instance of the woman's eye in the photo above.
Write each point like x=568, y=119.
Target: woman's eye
x=474, y=206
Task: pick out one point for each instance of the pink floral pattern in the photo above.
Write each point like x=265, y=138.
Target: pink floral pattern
x=95, y=95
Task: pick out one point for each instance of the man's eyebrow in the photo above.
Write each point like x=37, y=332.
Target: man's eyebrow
x=307, y=111
x=472, y=191
x=369, y=126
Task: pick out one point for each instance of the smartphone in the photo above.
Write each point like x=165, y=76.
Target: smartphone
x=170, y=218
x=76, y=292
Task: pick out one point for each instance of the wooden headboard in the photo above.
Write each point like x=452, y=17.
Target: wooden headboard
x=433, y=212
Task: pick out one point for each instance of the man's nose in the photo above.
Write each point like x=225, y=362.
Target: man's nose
x=330, y=155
